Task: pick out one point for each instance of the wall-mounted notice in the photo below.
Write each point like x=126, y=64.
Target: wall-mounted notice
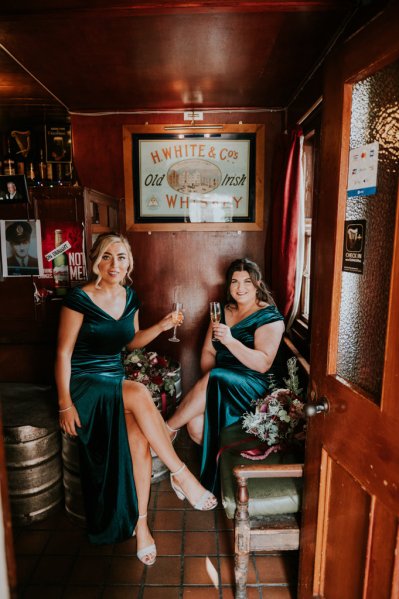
x=354, y=240
x=362, y=174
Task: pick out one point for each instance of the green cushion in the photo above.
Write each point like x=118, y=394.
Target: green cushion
x=267, y=496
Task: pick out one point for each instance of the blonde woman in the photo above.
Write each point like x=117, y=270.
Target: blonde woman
x=115, y=419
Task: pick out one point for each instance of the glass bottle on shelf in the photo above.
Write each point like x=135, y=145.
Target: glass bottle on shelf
x=31, y=174
x=42, y=171
x=60, y=267
x=8, y=162
x=20, y=166
x=59, y=174
x=50, y=174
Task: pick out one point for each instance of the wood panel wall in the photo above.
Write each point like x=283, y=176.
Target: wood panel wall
x=193, y=261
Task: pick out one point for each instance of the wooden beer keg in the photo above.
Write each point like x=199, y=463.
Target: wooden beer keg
x=33, y=450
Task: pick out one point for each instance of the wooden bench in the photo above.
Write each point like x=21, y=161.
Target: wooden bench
x=263, y=497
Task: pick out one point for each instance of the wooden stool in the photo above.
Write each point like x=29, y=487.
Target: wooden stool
x=263, y=497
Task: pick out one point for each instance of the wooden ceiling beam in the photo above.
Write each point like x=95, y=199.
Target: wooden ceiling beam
x=46, y=8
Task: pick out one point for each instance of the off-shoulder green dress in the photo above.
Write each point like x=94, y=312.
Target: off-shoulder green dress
x=96, y=389
x=231, y=389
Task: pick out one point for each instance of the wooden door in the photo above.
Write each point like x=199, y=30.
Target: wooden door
x=350, y=540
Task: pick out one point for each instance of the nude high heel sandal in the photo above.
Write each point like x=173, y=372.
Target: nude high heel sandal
x=146, y=551
x=206, y=502
x=172, y=430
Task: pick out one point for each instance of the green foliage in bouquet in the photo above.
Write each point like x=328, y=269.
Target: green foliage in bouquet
x=278, y=418
x=151, y=369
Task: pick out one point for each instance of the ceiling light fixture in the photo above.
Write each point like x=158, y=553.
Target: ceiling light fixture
x=192, y=126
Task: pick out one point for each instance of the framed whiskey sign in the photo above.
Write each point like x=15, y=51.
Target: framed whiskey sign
x=194, y=178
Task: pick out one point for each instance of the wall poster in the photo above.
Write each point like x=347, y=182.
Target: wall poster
x=194, y=180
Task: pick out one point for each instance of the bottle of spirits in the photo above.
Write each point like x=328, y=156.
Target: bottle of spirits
x=20, y=166
x=60, y=268
x=59, y=174
x=49, y=174
x=42, y=170
x=31, y=174
x=8, y=162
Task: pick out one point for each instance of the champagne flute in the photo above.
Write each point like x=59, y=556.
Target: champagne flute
x=177, y=319
x=216, y=314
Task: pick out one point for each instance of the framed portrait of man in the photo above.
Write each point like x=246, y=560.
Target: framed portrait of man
x=21, y=248
x=13, y=189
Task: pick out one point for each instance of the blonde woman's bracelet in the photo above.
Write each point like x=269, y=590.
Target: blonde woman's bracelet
x=66, y=409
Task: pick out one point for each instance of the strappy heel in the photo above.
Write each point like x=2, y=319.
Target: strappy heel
x=143, y=553
x=202, y=501
x=172, y=430
x=172, y=439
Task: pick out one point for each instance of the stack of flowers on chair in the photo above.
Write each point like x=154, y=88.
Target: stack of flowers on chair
x=278, y=420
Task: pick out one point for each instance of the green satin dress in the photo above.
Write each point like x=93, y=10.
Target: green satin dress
x=231, y=389
x=96, y=389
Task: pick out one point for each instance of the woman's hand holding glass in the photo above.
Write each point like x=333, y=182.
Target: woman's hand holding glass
x=177, y=319
x=215, y=312
x=222, y=333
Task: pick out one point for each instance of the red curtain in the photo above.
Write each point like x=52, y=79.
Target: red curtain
x=284, y=220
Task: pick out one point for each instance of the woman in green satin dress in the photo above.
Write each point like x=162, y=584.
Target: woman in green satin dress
x=115, y=419
x=236, y=367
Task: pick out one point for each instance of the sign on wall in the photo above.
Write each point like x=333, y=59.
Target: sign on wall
x=200, y=181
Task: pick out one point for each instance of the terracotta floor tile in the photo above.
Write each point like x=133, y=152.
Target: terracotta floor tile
x=161, y=592
x=52, y=569
x=87, y=548
x=25, y=567
x=200, y=570
x=168, y=520
x=125, y=570
x=90, y=570
x=55, y=559
x=224, y=523
x=168, y=500
x=276, y=569
x=83, y=592
x=128, y=547
x=226, y=542
x=165, y=571
x=64, y=543
x=200, y=593
x=200, y=543
x=252, y=593
x=164, y=485
x=43, y=592
x=227, y=571
x=121, y=592
x=197, y=520
x=279, y=593
x=31, y=542
x=168, y=543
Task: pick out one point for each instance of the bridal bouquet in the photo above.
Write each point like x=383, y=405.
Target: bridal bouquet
x=278, y=418
x=154, y=371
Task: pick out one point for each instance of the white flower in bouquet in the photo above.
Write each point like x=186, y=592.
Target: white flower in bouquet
x=278, y=417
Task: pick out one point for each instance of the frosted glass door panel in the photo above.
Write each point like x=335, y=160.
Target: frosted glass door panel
x=364, y=297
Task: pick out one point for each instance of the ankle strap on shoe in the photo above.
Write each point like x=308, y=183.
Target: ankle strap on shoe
x=179, y=471
x=172, y=430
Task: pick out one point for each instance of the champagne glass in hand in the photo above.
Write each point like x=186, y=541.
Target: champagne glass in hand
x=216, y=314
x=177, y=318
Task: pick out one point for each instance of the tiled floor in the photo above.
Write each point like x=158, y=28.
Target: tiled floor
x=195, y=559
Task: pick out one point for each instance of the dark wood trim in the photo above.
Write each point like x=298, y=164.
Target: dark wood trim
x=8, y=537
x=146, y=7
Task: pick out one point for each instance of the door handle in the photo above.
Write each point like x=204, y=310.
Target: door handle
x=311, y=409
